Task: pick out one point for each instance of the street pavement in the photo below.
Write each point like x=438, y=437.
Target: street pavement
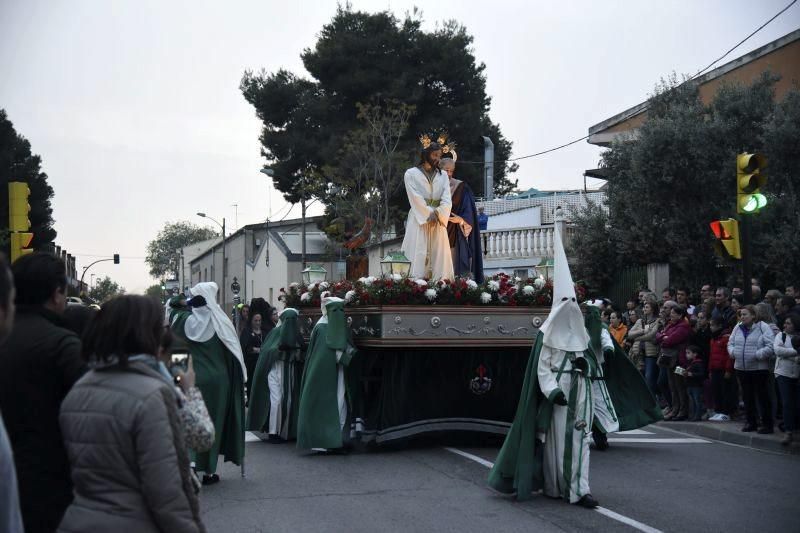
x=654, y=479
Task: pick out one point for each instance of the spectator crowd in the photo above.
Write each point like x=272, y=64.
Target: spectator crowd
x=710, y=356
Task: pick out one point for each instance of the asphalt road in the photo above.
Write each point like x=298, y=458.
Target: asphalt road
x=651, y=480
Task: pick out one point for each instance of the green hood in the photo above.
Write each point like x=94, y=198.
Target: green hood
x=290, y=338
x=336, y=332
x=594, y=325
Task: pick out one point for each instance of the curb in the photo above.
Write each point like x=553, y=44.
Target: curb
x=730, y=432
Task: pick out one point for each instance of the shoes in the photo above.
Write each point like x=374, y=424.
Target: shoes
x=765, y=430
x=275, y=439
x=210, y=480
x=748, y=428
x=587, y=502
x=668, y=415
x=600, y=440
x=787, y=439
x=679, y=418
x=720, y=417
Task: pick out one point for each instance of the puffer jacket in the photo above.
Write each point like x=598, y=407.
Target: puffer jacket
x=751, y=352
x=643, y=335
x=786, y=363
x=130, y=468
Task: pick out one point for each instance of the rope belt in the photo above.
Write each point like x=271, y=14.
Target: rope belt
x=430, y=202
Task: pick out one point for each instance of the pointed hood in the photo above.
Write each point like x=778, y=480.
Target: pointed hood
x=336, y=334
x=564, y=328
x=289, y=330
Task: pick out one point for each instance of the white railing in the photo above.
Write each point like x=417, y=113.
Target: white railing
x=518, y=242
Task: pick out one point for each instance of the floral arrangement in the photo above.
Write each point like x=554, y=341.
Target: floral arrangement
x=497, y=290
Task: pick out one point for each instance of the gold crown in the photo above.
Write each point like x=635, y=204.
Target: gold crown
x=425, y=140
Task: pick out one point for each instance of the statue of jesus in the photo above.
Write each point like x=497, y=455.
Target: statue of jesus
x=425, y=242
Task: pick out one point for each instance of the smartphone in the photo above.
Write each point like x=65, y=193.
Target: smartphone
x=180, y=360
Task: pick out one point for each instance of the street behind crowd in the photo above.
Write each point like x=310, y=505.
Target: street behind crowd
x=654, y=479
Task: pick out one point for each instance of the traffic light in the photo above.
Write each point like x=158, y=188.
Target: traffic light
x=20, y=243
x=727, y=233
x=750, y=177
x=18, y=206
x=18, y=222
x=116, y=259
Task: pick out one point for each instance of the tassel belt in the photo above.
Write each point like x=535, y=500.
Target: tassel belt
x=430, y=202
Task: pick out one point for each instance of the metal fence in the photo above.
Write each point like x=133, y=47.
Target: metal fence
x=626, y=285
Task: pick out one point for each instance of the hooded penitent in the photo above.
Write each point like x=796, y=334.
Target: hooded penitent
x=280, y=344
x=564, y=328
x=210, y=319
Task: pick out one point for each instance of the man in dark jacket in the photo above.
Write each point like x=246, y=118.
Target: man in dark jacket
x=39, y=362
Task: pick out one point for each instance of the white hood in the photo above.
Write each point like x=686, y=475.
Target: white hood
x=564, y=328
x=210, y=319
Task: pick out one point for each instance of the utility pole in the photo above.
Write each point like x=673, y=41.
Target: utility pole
x=303, y=215
x=223, y=267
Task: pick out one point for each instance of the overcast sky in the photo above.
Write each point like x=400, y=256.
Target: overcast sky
x=135, y=108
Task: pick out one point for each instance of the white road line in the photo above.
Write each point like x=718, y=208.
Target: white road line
x=602, y=510
x=625, y=520
x=479, y=460
x=658, y=441
x=249, y=436
x=634, y=432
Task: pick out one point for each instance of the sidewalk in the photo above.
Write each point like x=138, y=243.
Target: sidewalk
x=731, y=432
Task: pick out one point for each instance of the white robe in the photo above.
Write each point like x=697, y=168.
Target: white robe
x=426, y=244
x=566, y=473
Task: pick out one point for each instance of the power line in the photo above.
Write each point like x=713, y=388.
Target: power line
x=699, y=72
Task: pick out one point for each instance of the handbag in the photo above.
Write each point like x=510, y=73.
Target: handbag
x=667, y=357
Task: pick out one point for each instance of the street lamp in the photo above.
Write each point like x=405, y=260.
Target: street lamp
x=314, y=274
x=395, y=263
x=203, y=215
x=304, y=187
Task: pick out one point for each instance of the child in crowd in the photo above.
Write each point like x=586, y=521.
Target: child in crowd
x=695, y=375
x=720, y=366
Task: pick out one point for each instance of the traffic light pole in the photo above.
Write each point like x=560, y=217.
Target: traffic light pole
x=86, y=269
x=747, y=268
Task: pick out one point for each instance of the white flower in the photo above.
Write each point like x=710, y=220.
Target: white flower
x=527, y=289
x=517, y=279
x=421, y=282
x=294, y=285
x=539, y=282
x=350, y=296
x=367, y=281
x=471, y=284
x=323, y=285
x=430, y=294
x=397, y=277
x=494, y=285
x=486, y=297
x=324, y=294
x=305, y=297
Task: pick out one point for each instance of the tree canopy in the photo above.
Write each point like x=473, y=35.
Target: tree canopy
x=163, y=252
x=374, y=61
x=104, y=289
x=679, y=174
x=18, y=163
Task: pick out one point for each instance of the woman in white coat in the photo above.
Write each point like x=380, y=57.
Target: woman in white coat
x=425, y=242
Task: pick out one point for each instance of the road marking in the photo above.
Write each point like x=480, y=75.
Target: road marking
x=658, y=441
x=602, y=510
x=634, y=432
x=479, y=460
x=249, y=436
x=625, y=520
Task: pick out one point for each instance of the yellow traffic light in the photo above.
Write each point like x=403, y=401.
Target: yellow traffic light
x=750, y=177
x=20, y=243
x=727, y=232
x=18, y=206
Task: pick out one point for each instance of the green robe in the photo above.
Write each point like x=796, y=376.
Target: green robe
x=220, y=380
x=318, y=423
x=519, y=465
x=282, y=344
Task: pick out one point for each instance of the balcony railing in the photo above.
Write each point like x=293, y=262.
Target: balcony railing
x=513, y=243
